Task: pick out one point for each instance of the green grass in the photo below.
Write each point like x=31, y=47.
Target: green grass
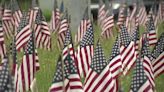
x=47, y=14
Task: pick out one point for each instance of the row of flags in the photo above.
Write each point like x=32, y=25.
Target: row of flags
x=102, y=75
x=127, y=14
x=29, y=31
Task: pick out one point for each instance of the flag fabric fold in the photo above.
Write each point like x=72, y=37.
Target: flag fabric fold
x=23, y=33
x=7, y=20
x=84, y=52
x=108, y=21
x=101, y=13
x=114, y=61
x=158, y=56
x=55, y=18
x=99, y=77
x=127, y=50
x=42, y=33
x=152, y=36
x=27, y=69
x=66, y=78
x=147, y=62
x=122, y=15
x=140, y=82
x=6, y=81
x=57, y=83
x=2, y=43
x=64, y=26
x=17, y=14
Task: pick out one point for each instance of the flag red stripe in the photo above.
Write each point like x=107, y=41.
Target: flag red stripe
x=91, y=82
x=101, y=80
x=82, y=61
x=87, y=59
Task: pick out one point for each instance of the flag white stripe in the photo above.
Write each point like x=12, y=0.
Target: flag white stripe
x=157, y=65
x=113, y=65
x=22, y=42
x=144, y=86
x=98, y=79
x=93, y=74
x=31, y=62
x=56, y=85
x=149, y=72
x=22, y=32
x=25, y=72
x=84, y=59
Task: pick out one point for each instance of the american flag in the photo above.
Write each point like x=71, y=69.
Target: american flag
x=114, y=61
x=7, y=20
x=67, y=80
x=142, y=15
x=146, y=59
x=64, y=26
x=127, y=50
x=83, y=27
x=6, y=82
x=14, y=64
x=27, y=69
x=38, y=31
x=122, y=15
x=158, y=56
x=135, y=36
x=23, y=33
x=99, y=78
x=85, y=52
x=33, y=12
x=66, y=75
x=42, y=33
x=74, y=78
x=57, y=83
x=151, y=31
x=2, y=43
x=55, y=18
x=140, y=82
x=46, y=36
x=68, y=46
x=108, y=22
x=13, y=53
x=17, y=14
x=101, y=13
x=132, y=15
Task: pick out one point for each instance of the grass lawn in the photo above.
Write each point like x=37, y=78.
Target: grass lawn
x=48, y=61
